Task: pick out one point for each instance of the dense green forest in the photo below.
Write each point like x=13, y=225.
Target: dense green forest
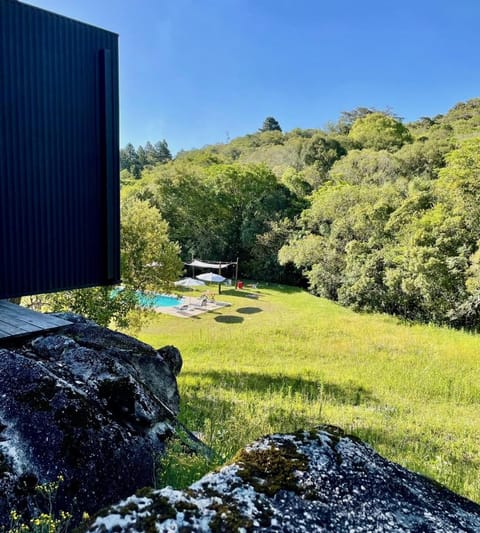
x=374, y=213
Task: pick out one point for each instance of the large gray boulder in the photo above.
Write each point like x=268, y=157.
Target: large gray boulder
x=88, y=404
x=319, y=481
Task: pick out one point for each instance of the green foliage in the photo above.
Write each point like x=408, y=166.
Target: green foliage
x=149, y=261
x=459, y=180
x=297, y=182
x=432, y=264
x=95, y=303
x=264, y=258
x=342, y=221
x=347, y=119
x=216, y=212
x=374, y=215
x=367, y=167
x=396, y=232
x=279, y=156
x=379, y=132
x=159, y=154
x=270, y=124
x=129, y=160
x=464, y=117
x=134, y=161
x=473, y=272
x=322, y=152
x=424, y=158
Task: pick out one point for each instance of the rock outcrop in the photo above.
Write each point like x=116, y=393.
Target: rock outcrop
x=88, y=404
x=322, y=481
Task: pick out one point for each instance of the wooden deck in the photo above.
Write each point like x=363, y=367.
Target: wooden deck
x=16, y=321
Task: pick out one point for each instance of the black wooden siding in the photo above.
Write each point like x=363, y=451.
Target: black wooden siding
x=59, y=169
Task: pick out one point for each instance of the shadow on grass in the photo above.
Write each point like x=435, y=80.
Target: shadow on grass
x=228, y=421
x=206, y=413
x=198, y=408
x=241, y=293
x=267, y=384
x=229, y=319
x=249, y=310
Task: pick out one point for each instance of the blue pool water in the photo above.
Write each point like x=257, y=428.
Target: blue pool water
x=157, y=300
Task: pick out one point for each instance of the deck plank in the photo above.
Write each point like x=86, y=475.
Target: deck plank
x=17, y=321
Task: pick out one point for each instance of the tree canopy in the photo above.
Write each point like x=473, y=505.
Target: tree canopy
x=379, y=131
x=270, y=124
x=135, y=160
x=149, y=261
x=371, y=212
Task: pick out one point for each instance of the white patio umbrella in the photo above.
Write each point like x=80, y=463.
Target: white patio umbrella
x=212, y=277
x=189, y=283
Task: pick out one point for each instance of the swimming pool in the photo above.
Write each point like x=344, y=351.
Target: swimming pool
x=157, y=300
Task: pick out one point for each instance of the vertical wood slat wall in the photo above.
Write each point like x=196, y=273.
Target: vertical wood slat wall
x=59, y=168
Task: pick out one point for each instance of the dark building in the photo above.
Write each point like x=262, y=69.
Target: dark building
x=59, y=169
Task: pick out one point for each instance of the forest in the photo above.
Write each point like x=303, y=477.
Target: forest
x=371, y=212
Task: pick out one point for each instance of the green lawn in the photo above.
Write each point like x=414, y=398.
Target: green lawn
x=288, y=360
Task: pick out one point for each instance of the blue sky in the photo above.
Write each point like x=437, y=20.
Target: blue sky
x=197, y=72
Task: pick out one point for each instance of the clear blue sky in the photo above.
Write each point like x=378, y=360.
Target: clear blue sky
x=198, y=71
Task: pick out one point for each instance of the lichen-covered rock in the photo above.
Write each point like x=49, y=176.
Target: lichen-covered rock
x=322, y=481
x=89, y=404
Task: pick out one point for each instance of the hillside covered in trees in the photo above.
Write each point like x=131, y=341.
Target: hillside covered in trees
x=372, y=212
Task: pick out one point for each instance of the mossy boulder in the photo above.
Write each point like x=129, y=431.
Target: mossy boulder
x=89, y=404
x=321, y=480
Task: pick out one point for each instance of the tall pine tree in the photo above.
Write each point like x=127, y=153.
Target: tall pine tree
x=270, y=124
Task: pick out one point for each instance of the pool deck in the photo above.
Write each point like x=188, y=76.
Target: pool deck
x=192, y=307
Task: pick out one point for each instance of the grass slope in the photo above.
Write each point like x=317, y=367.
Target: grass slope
x=287, y=360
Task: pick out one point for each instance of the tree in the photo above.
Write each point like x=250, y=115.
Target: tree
x=322, y=152
x=129, y=160
x=429, y=263
x=347, y=118
x=379, y=132
x=149, y=260
x=97, y=304
x=188, y=205
x=162, y=152
x=150, y=156
x=136, y=160
x=141, y=157
x=270, y=124
x=459, y=186
x=338, y=245
x=264, y=263
x=217, y=211
x=424, y=158
x=128, y=157
x=248, y=197
x=366, y=167
x=296, y=183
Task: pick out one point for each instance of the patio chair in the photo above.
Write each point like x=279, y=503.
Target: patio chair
x=183, y=305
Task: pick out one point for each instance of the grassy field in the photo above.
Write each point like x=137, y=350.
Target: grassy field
x=287, y=360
